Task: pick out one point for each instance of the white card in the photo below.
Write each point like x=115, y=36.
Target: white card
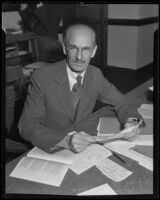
x=113, y=170
x=89, y=157
x=104, y=189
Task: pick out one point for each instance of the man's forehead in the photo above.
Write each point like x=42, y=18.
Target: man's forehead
x=80, y=34
x=79, y=30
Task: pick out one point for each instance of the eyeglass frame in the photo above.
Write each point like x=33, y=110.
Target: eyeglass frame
x=74, y=47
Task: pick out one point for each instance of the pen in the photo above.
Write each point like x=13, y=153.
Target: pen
x=118, y=157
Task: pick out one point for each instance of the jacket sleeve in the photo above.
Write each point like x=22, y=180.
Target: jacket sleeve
x=31, y=124
x=123, y=106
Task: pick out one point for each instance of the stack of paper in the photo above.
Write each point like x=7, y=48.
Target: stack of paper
x=125, y=149
x=146, y=110
x=98, y=155
x=39, y=166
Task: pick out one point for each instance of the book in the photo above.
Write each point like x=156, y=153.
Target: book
x=108, y=125
x=39, y=166
x=146, y=110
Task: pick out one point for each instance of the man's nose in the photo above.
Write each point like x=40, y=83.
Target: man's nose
x=79, y=54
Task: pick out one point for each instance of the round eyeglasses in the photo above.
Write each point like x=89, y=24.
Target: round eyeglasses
x=73, y=50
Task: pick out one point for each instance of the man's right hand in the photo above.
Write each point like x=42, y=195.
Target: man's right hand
x=78, y=142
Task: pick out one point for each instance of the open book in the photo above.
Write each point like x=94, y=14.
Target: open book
x=42, y=167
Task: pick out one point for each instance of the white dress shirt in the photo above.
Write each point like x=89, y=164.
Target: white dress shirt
x=72, y=77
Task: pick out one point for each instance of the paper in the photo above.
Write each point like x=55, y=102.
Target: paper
x=146, y=110
x=145, y=150
x=64, y=156
x=42, y=171
x=143, y=160
x=88, y=158
x=113, y=170
x=146, y=140
x=104, y=189
x=126, y=151
x=124, y=134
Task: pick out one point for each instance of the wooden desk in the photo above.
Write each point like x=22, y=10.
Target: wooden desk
x=140, y=182
x=140, y=92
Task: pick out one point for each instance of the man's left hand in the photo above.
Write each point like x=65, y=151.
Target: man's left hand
x=135, y=132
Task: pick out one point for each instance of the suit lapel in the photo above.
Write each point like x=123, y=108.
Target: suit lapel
x=63, y=90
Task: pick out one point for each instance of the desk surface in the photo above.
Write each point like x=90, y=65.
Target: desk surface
x=140, y=182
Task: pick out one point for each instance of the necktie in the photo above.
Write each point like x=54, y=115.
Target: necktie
x=77, y=85
x=76, y=92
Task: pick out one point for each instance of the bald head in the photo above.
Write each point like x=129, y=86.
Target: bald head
x=80, y=30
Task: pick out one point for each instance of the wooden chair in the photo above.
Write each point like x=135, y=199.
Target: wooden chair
x=14, y=79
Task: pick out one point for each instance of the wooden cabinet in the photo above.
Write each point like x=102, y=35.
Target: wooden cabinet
x=22, y=47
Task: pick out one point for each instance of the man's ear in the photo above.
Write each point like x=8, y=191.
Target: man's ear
x=64, y=48
x=94, y=51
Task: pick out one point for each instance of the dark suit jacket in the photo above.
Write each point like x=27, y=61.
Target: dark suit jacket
x=44, y=20
x=48, y=114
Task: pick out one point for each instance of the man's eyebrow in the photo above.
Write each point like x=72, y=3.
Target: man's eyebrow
x=73, y=45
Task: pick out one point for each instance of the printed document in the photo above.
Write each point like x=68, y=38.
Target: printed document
x=41, y=171
x=104, y=189
x=42, y=167
x=113, y=170
x=89, y=157
x=64, y=156
x=128, y=152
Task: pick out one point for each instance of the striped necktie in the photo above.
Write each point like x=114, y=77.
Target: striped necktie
x=76, y=91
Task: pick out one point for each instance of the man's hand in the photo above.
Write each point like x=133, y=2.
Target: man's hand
x=135, y=132
x=132, y=134
x=78, y=142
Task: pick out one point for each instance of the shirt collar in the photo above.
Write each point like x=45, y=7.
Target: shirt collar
x=74, y=74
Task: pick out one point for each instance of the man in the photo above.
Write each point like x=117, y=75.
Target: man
x=50, y=111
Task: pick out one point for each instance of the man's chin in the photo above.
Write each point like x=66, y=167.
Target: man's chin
x=78, y=69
